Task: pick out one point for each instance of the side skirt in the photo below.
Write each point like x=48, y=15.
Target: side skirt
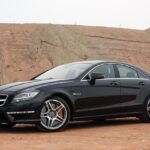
x=109, y=116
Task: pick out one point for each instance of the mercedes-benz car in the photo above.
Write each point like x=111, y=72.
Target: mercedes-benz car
x=85, y=90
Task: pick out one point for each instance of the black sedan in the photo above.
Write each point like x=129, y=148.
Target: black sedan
x=86, y=90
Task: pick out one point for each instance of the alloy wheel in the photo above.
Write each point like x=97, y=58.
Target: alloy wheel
x=53, y=114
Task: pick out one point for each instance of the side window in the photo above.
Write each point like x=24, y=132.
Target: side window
x=126, y=72
x=107, y=70
x=141, y=75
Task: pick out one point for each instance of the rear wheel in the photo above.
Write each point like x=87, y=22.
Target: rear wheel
x=55, y=115
x=7, y=125
x=146, y=115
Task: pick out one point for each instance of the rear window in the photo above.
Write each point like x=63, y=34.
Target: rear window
x=126, y=72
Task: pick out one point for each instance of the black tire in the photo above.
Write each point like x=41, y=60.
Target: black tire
x=44, y=124
x=7, y=125
x=145, y=117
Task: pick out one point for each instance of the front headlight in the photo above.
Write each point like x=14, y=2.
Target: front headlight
x=25, y=96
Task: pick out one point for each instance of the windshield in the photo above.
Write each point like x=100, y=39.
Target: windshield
x=67, y=71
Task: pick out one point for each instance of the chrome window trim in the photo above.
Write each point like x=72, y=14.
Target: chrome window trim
x=116, y=79
x=126, y=65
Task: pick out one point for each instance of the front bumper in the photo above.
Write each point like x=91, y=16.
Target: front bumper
x=22, y=112
x=19, y=117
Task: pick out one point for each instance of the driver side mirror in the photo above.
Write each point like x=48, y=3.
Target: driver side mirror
x=95, y=75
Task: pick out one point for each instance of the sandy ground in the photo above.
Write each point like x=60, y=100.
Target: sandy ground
x=120, y=134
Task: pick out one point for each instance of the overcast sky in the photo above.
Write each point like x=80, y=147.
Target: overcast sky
x=113, y=13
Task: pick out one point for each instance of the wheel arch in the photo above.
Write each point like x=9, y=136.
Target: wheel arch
x=145, y=95
x=67, y=99
x=146, y=98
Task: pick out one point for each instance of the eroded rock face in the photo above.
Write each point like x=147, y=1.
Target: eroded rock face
x=26, y=50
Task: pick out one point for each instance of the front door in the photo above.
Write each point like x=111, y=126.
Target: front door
x=103, y=97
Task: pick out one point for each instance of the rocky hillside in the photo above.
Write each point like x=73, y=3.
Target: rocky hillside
x=28, y=49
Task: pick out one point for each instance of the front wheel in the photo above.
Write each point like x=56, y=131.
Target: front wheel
x=146, y=115
x=55, y=114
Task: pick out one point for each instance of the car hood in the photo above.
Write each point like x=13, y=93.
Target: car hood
x=17, y=86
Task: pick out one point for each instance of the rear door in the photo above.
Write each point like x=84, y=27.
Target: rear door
x=132, y=84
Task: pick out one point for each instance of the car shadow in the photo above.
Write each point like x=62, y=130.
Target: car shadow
x=112, y=122
x=20, y=129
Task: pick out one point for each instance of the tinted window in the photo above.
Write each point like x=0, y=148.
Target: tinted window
x=126, y=72
x=141, y=75
x=107, y=70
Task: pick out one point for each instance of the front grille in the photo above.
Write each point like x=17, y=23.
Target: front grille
x=3, y=99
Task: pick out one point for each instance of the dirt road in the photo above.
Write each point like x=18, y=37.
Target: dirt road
x=122, y=134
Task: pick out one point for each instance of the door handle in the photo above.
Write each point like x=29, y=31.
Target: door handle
x=114, y=83
x=141, y=83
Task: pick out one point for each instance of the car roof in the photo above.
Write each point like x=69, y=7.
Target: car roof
x=98, y=61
